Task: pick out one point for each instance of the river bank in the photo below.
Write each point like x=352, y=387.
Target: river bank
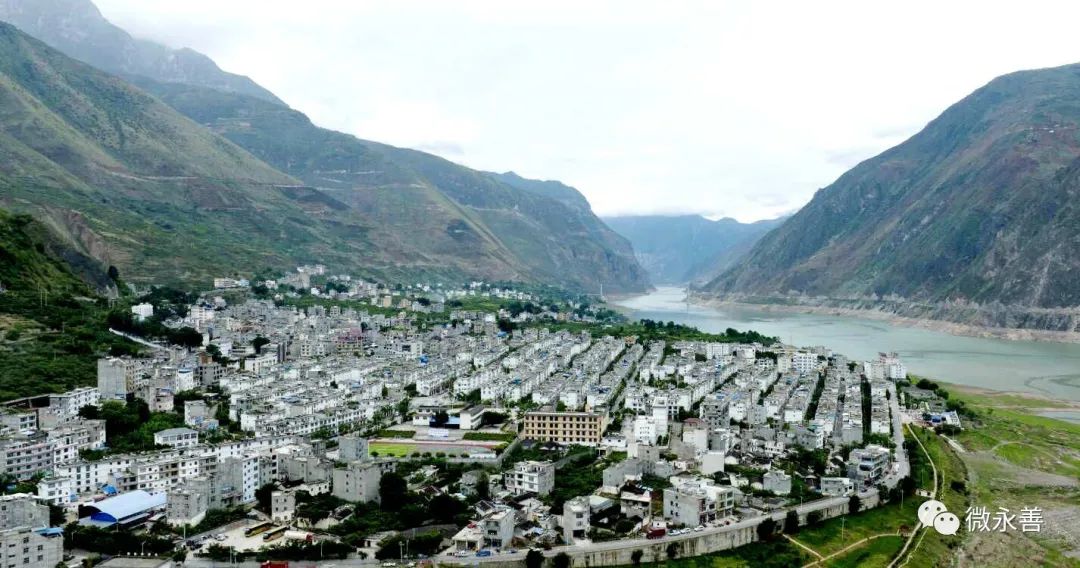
x=1047, y=368
x=952, y=328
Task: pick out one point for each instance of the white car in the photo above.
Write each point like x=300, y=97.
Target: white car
x=699, y=528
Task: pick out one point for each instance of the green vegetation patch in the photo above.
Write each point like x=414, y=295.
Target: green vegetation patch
x=876, y=553
x=396, y=434
x=392, y=449
x=490, y=436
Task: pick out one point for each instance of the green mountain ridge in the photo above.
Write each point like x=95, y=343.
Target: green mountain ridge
x=978, y=209
x=171, y=198
x=422, y=211
x=133, y=182
x=678, y=249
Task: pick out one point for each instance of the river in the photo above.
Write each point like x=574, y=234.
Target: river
x=1043, y=368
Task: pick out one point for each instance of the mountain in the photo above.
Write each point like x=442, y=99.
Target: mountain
x=77, y=27
x=552, y=189
x=138, y=185
x=423, y=212
x=975, y=219
x=51, y=319
x=677, y=249
x=149, y=190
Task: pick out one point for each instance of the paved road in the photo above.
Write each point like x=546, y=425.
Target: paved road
x=904, y=554
x=903, y=468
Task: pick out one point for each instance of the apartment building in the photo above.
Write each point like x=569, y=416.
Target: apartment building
x=66, y=405
x=586, y=428
x=359, y=481
x=20, y=543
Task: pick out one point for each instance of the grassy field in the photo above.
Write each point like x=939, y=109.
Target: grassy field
x=834, y=534
x=392, y=449
x=1016, y=459
x=935, y=549
x=875, y=554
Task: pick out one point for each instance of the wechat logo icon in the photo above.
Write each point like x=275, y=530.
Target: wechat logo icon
x=934, y=514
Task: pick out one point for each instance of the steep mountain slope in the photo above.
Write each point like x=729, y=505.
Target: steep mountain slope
x=135, y=183
x=974, y=219
x=676, y=249
x=77, y=28
x=546, y=188
x=146, y=189
x=51, y=321
x=423, y=212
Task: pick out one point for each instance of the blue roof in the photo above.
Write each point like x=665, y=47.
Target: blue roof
x=130, y=504
x=50, y=531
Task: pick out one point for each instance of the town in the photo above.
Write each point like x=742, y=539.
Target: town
x=320, y=416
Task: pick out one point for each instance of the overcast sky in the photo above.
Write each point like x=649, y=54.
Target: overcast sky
x=739, y=109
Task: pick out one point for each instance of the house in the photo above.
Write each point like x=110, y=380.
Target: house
x=837, y=486
x=531, y=477
x=777, y=481
x=575, y=519
x=471, y=418
x=867, y=465
x=696, y=501
x=282, y=506
x=186, y=506
x=498, y=528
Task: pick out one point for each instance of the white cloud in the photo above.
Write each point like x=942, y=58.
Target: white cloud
x=736, y=108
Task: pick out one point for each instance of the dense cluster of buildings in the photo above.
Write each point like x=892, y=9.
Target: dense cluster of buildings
x=272, y=382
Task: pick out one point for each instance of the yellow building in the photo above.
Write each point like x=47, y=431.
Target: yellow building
x=585, y=428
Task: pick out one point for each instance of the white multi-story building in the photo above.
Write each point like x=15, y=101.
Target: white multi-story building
x=575, y=519
x=694, y=501
x=115, y=379
x=776, y=481
x=804, y=362
x=177, y=438
x=66, y=405
x=531, y=477
x=142, y=311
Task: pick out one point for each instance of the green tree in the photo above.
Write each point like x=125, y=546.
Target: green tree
x=561, y=560
x=766, y=529
x=264, y=496
x=534, y=559
x=854, y=504
x=259, y=342
x=791, y=522
x=635, y=557
x=813, y=518
x=672, y=550
x=483, y=487
x=393, y=491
